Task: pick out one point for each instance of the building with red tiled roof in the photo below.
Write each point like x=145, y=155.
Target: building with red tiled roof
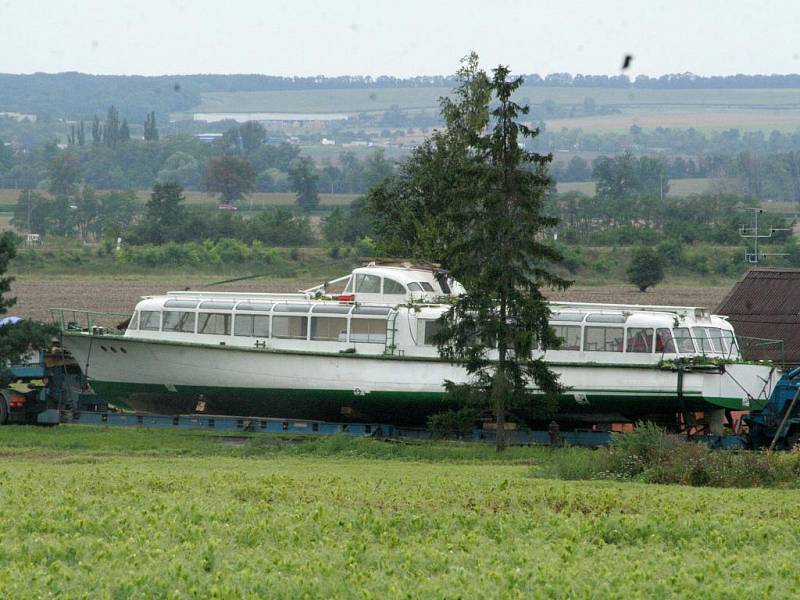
x=765, y=305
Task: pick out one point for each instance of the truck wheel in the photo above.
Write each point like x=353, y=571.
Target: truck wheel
x=3, y=410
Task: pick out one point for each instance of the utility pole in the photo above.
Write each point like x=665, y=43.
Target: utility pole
x=753, y=233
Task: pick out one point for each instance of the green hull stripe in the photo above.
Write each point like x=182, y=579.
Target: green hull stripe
x=284, y=402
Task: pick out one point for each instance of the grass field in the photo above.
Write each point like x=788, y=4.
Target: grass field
x=8, y=198
x=706, y=119
x=706, y=110
x=677, y=187
x=92, y=513
x=353, y=101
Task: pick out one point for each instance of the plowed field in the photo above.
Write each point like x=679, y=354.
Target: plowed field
x=36, y=295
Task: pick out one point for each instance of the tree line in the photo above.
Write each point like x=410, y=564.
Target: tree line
x=103, y=155
x=107, y=216
x=750, y=175
x=667, y=141
x=79, y=95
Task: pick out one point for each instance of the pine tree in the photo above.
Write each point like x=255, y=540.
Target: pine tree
x=81, y=135
x=111, y=129
x=471, y=197
x=97, y=130
x=150, y=128
x=124, y=131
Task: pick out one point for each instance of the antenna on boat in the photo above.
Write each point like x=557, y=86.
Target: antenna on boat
x=246, y=277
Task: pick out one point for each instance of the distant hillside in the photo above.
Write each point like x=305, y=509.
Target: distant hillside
x=80, y=96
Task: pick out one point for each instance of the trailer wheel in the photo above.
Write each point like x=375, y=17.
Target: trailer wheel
x=3, y=410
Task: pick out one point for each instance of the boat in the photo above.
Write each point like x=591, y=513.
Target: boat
x=367, y=351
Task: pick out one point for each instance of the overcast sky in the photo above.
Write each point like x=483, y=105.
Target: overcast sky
x=397, y=37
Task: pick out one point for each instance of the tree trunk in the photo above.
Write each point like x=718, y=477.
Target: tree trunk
x=500, y=433
x=499, y=393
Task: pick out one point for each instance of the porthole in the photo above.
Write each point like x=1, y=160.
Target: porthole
x=123, y=350
x=103, y=348
x=114, y=350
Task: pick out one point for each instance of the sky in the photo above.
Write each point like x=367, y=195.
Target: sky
x=398, y=37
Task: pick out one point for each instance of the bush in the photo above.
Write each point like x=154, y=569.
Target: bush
x=365, y=247
x=453, y=423
x=651, y=455
x=646, y=268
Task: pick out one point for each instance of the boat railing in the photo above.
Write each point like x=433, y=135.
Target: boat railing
x=736, y=348
x=97, y=322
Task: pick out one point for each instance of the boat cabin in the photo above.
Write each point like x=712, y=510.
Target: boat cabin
x=388, y=284
x=590, y=332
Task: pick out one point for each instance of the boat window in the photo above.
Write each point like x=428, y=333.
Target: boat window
x=301, y=308
x=570, y=336
x=715, y=337
x=701, y=337
x=639, y=339
x=149, y=320
x=414, y=287
x=567, y=316
x=133, y=324
x=219, y=304
x=294, y=328
x=684, y=340
x=348, y=289
x=178, y=320
x=262, y=306
x=331, y=329
x=251, y=325
x=730, y=343
x=214, y=323
x=371, y=310
x=180, y=303
x=334, y=309
x=368, y=284
x=368, y=330
x=426, y=329
x=603, y=339
x=390, y=286
x=605, y=318
x=664, y=341
x=426, y=286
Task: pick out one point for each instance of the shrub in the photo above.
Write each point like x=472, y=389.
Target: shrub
x=453, y=423
x=646, y=268
x=365, y=247
x=651, y=455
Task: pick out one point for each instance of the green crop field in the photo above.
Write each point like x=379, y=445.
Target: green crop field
x=703, y=109
x=8, y=198
x=353, y=101
x=677, y=187
x=94, y=513
x=260, y=199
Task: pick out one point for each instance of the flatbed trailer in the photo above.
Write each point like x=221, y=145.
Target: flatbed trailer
x=50, y=390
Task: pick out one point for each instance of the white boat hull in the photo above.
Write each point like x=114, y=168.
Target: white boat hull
x=169, y=376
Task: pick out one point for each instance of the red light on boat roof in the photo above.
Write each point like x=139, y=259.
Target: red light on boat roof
x=346, y=297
